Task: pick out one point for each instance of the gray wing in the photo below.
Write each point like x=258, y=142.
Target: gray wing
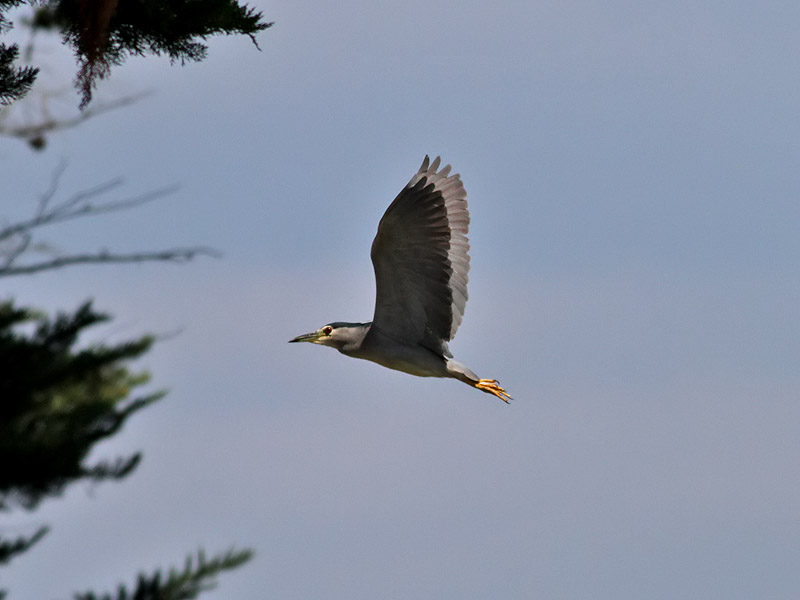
x=421, y=260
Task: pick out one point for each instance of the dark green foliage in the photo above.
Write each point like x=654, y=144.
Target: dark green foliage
x=105, y=32
x=58, y=398
x=57, y=402
x=161, y=26
x=14, y=82
x=119, y=28
x=196, y=577
x=4, y=6
x=9, y=548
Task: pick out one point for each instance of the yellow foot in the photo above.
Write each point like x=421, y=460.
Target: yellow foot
x=492, y=386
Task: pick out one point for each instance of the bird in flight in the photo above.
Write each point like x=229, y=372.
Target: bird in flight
x=421, y=260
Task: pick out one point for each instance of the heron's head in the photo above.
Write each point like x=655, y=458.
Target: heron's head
x=336, y=335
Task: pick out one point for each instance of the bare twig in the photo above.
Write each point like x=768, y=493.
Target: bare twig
x=17, y=238
x=21, y=248
x=78, y=206
x=45, y=198
x=34, y=132
x=176, y=255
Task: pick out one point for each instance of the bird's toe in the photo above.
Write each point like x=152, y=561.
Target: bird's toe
x=492, y=386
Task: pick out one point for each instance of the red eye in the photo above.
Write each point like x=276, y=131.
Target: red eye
x=327, y=329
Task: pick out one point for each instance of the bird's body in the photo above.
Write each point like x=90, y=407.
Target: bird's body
x=421, y=261
x=398, y=355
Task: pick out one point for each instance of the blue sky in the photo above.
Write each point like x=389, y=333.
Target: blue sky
x=632, y=171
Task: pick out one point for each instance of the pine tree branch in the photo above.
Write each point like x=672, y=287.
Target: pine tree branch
x=8, y=549
x=59, y=401
x=196, y=577
x=14, y=82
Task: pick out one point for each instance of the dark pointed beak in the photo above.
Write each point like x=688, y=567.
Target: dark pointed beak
x=307, y=337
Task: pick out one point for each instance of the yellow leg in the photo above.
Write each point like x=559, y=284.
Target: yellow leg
x=492, y=386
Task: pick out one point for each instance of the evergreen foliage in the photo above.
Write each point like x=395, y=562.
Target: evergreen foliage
x=14, y=82
x=59, y=398
x=58, y=402
x=197, y=576
x=103, y=33
x=9, y=548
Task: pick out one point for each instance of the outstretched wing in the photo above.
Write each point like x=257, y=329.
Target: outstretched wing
x=421, y=260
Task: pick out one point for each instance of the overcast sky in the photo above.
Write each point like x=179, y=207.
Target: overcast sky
x=632, y=171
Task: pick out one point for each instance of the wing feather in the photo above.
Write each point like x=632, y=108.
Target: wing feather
x=421, y=259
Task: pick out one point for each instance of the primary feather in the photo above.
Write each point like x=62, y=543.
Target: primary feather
x=421, y=260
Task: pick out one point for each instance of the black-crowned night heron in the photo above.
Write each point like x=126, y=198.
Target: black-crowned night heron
x=421, y=260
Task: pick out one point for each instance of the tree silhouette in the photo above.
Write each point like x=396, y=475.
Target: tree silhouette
x=60, y=397
x=103, y=33
x=58, y=401
x=15, y=82
x=195, y=577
